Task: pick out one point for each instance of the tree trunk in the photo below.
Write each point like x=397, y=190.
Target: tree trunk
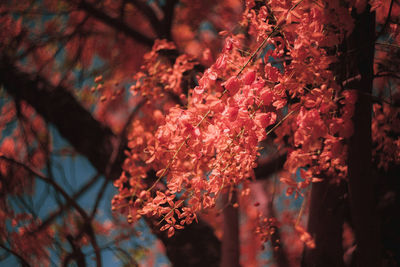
x=325, y=223
x=230, y=240
x=361, y=182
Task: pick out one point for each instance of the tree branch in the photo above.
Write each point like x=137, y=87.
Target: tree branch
x=116, y=24
x=387, y=74
x=49, y=181
x=149, y=14
x=24, y=263
x=168, y=17
x=269, y=166
x=386, y=22
x=64, y=207
x=68, y=198
x=59, y=107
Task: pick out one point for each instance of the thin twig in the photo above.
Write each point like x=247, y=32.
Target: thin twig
x=386, y=22
x=21, y=259
x=57, y=187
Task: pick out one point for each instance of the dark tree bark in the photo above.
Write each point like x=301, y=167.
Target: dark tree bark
x=269, y=166
x=362, y=191
x=325, y=223
x=58, y=106
x=230, y=240
x=195, y=245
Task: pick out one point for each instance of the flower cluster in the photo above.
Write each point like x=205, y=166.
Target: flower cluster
x=283, y=88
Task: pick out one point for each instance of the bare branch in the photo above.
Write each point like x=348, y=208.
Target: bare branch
x=386, y=22
x=57, y=187
x=150, y=15
x=24, y=263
